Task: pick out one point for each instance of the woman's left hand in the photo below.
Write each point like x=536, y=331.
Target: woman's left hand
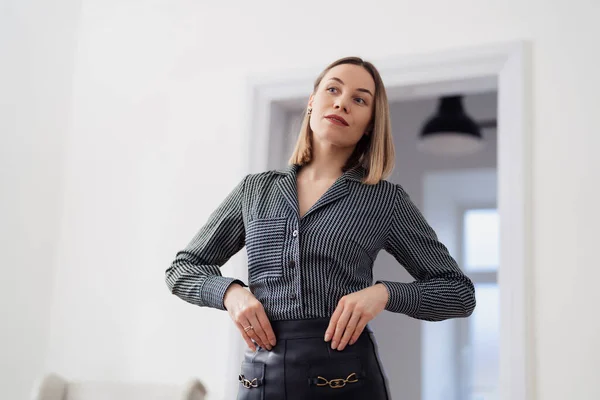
x=352, y=314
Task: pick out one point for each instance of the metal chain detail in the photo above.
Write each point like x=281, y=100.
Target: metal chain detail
x=337, y=383
x=247, y=383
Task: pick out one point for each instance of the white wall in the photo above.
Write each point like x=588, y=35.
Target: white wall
x=156, y=142
x=37, y=42
x=150, y=155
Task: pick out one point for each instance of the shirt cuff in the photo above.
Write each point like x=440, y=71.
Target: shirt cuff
x=403, y=298
x=213, y=290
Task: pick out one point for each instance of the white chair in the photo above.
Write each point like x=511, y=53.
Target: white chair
x=55, y=387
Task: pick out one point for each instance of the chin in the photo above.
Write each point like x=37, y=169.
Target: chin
x=334, y=138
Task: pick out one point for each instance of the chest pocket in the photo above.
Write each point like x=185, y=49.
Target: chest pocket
x=264, y=245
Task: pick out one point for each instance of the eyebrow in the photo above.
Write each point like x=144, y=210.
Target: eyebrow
x=359, y=89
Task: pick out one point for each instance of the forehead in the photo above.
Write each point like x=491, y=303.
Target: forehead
x=354, y=76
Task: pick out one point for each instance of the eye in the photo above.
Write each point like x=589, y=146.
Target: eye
x=361, y=99
x=329, y=88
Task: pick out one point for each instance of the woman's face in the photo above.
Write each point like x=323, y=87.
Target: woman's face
x=346, y=91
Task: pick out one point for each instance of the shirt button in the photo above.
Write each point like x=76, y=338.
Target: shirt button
x=293, y=296
x=295, y=233
x=292, y=263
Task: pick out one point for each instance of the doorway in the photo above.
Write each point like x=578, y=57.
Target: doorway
x=503, y=68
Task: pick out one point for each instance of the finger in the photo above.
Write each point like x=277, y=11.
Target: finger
x=333, y=322
x=349, y=331
x=254, y=336
x=359, y=329
x=341, y=327
x=266, y=326
x=246, y=337
x=250, y=333
x=260, y=333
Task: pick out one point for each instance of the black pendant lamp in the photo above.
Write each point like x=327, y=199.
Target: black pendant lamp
x=450, y=131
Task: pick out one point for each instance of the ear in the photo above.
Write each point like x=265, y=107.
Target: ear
x=310, y=100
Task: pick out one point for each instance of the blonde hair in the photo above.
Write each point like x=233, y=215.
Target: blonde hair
x=374, y=152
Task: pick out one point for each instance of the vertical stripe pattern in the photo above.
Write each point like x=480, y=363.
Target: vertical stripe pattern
x=300, y=267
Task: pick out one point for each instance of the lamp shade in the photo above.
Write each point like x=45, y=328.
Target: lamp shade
x=450, y=131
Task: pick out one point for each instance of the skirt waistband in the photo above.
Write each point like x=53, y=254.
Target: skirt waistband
x=303, y=328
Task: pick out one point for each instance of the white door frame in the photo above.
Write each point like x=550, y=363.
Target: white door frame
x=510, y=64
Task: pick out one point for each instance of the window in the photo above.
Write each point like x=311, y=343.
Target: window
x=479, y=334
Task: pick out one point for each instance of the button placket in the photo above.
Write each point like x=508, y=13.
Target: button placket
x=292, y=261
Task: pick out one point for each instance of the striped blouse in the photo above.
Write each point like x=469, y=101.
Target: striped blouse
x=300, y=267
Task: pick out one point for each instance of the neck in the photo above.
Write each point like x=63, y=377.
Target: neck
x=327, y=162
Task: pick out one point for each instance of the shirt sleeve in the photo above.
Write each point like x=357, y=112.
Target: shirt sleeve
x=440, y=290
x=195, y=274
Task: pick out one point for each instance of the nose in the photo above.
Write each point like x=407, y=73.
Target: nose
x=340, y=103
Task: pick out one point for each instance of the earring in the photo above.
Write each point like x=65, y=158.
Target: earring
x=309, y=110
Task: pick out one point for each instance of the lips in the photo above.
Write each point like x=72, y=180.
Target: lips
x=337, y=118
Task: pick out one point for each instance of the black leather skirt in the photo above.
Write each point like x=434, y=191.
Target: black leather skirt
x=302, y=366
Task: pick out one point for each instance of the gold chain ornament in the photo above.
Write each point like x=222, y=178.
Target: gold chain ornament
x=337, y=383
x=334, y=383
x=248, y=384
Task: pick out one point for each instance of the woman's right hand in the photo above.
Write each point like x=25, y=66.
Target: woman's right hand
x=244, y=309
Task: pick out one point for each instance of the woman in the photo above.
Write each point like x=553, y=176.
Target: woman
x=312, y=232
